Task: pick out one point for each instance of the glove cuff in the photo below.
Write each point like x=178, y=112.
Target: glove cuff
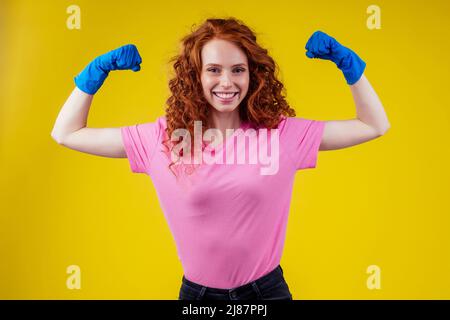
x=352, y=66
x=91, y=78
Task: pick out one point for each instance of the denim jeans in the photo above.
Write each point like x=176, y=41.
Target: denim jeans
x=272, y=286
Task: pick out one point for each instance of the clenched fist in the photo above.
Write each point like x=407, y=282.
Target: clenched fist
x=322, y=46
x=92, y=77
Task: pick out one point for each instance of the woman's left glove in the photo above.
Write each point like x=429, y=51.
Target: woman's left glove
x=322, y=46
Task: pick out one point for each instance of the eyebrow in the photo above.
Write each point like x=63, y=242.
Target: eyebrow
x=215, y=64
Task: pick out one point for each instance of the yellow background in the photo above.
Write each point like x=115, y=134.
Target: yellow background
x=384, y=203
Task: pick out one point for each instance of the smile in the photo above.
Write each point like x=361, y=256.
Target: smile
x=225, y=97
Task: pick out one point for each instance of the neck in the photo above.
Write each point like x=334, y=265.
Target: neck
x=225, y=120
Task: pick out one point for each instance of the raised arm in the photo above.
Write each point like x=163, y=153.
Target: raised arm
x=371, y=121
x=70, y=128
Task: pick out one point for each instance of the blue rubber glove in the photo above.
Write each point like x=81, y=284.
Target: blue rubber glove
x=92, y=77
x=322, y=46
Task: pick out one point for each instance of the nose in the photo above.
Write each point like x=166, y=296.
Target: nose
x=225, y=80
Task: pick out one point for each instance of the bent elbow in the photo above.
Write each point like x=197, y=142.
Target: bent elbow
x=383, y=130
x=56, y=138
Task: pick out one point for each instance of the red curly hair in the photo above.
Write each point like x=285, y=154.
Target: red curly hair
x=264, y=103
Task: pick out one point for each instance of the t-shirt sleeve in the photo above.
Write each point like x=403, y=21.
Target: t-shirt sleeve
x=140, y=142
x=303, y=137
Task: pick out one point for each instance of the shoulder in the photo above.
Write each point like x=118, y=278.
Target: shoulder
x=148, y=131
x=159, y=124
x=294, y=124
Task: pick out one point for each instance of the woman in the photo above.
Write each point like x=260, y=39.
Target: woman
x=228, y=223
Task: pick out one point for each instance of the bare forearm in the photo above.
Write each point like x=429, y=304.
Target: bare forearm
x=369, y=108
x=73, y=115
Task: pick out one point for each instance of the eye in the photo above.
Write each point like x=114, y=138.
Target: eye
x=239, y=69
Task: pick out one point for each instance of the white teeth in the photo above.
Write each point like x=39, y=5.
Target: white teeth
x=225, y=95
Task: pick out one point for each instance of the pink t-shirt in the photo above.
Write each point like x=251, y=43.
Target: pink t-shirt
x=228, y=220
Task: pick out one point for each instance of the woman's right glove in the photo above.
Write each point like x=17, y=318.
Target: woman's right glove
x=92, y=77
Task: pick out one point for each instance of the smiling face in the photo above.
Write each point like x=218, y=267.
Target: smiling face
x=225, y=75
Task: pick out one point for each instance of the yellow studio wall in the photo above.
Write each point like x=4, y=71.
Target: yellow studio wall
x=382, y=203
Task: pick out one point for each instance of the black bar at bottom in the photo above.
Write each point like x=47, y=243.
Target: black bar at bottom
x=174, y=309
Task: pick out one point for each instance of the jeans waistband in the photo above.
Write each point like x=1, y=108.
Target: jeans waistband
x=277, y=272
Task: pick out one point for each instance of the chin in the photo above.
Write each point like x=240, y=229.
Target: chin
x=226, y=108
